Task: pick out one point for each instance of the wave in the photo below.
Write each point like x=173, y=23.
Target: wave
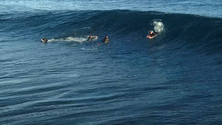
x=119, y=24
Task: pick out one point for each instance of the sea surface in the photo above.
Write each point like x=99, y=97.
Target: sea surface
x=173, y=79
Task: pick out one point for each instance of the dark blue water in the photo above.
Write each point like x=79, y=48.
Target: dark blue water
x=172, y=79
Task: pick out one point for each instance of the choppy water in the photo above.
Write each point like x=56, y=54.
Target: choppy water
x=174, y=78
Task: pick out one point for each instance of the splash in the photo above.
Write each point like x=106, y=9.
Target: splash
x=158, y=26
x=70, y=39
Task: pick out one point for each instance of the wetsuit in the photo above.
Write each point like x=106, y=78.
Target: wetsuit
x=44, y=40
x=91, y=38
x=105, y=40
x=152, y=34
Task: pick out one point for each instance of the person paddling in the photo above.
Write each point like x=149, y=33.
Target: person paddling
x=91, y=38
x=106, y=40
x=152, y=35
x=44, y=40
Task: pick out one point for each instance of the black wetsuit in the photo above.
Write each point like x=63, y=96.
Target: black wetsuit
x=89, y=39
x=45, y=40
x=152, y=34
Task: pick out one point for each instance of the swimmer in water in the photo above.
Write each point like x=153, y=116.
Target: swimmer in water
x=152, y=35
x=91, y=38
x=106, y=40
x=44, y=40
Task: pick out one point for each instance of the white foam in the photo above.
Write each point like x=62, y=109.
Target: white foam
x=158, y=26
x=69, y=39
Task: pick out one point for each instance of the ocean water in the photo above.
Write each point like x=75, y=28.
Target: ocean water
x=173, y=79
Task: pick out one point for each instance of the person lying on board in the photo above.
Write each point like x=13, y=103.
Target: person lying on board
x=152, y=35
x=44, y=40
x=106, y=40
x=91, y=38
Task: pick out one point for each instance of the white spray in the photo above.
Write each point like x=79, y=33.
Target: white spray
x=158, y=26
x=71, y=39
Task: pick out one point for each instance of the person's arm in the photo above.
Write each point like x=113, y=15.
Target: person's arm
x=88, y=39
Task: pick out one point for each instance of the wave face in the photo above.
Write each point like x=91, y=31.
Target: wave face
x=183, y=29
x=173, y=79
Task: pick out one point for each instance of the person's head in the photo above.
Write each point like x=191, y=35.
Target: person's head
x=151, y=32
x=106, y=37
